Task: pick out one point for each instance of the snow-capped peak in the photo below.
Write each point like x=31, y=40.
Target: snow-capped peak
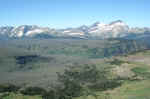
x=114, y=29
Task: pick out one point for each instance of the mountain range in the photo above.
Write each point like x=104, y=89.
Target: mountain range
x=115, y=29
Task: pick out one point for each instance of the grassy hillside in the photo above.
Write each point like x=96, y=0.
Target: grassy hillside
x=18, y=96
x=137, y=86
x=138, y=89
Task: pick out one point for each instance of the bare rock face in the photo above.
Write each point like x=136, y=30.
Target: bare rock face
x=124, y=71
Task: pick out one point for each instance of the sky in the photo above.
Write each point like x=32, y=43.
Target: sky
x=73, y=13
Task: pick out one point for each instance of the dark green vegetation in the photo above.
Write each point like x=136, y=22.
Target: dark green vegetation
x=85, y=80
x=33, y=91
x=117, y=62
x=73, y=82
x=8, y=88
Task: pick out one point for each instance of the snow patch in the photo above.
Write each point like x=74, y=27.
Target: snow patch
x=33, y=32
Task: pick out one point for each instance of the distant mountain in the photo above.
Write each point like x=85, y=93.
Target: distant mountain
x=112, y=30
x=115, y=29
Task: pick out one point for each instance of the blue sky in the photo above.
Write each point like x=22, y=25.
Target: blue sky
x=72, y=13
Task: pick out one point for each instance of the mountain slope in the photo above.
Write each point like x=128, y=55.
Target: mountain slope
x=115, y=29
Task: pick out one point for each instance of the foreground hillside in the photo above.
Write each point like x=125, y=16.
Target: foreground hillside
x=135, y=66
x=133, y=70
